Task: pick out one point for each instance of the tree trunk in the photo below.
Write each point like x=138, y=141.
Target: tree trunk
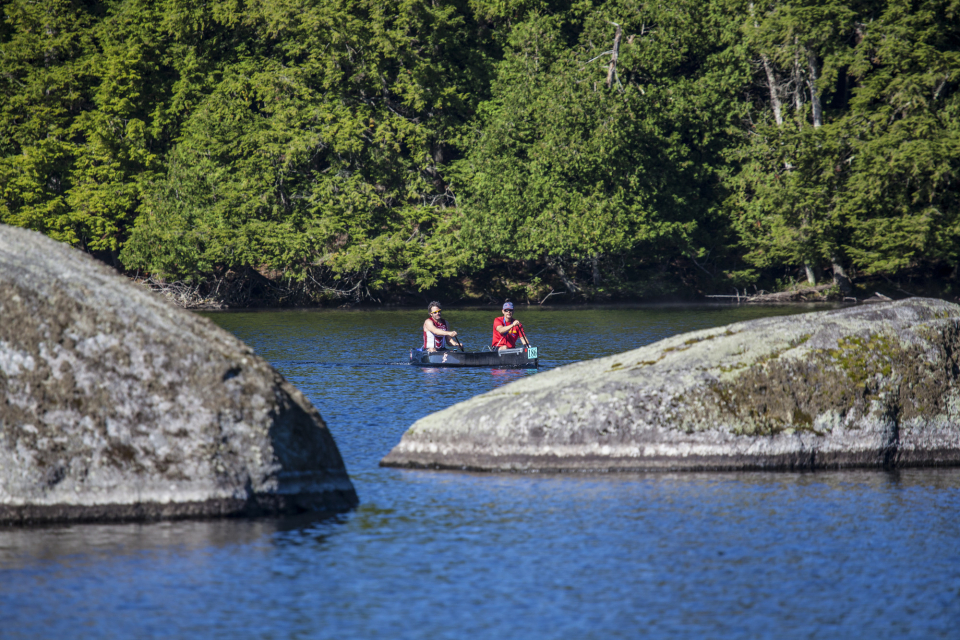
x=595, y=260
x=557, y=265
x=774, y=91
x=797, y=82
x=812, y=84
x=771, y=78
x=612, y=70
x=811, y=275
x=839, y=275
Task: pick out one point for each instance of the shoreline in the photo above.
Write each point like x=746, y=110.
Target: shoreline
x=261, y=292
x=781, y=299
x=827, y=304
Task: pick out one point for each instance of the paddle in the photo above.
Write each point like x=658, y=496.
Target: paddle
x=524, y=334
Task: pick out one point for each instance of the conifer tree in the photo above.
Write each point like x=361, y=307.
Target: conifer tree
x=604, y=139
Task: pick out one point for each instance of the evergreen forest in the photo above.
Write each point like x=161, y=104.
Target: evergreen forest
x=361, y=151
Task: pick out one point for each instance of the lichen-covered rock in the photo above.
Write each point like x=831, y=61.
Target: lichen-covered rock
x=866, y=386
x=114, y=404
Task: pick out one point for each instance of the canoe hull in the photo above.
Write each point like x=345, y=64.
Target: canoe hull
x=506, y=359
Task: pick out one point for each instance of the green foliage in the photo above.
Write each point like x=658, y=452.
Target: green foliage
x=903, y=191
x=47, y=78
x=874, y=185
x=318, y=153
x=360, y=146
x=562, y=165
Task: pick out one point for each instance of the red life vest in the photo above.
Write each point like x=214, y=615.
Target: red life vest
x=433, y=341
x=508, y=339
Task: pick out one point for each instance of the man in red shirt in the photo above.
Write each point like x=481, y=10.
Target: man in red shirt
x=506, y=330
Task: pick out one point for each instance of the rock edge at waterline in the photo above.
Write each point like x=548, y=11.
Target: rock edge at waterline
x=866, y=386
x=114, y=404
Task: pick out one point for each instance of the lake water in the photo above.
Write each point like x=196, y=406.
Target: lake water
x=432, y=554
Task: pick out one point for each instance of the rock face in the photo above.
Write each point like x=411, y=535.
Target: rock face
x=115, y=404
x=869, y=386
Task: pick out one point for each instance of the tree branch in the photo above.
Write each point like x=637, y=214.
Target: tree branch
x=615, y=55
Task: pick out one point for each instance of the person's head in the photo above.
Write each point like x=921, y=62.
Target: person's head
x=434, y=309
x=508, y=309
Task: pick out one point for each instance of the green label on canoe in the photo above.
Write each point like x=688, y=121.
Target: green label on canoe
x=531, y=353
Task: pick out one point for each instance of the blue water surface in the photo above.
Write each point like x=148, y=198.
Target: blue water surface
x=432, y=554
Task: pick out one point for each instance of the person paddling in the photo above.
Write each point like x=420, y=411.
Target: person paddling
x=436, y=332
x=506, y=330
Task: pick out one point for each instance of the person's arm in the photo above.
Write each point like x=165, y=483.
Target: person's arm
x=503, y=328
x=435, y=330
x=523, y=334
x=452, y=335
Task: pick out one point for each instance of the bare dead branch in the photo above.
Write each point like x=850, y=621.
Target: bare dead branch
x=615, y=55
x=552, y=293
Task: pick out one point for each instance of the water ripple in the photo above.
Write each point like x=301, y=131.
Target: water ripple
x=452, y=555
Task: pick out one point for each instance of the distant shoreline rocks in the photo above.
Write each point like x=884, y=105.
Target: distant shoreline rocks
x=116, y=405
x=866, y=386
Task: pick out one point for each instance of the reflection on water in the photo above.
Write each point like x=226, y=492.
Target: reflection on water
x=428, y=554
x=95, y=542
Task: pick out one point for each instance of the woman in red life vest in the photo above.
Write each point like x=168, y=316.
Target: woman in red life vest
x=506, y=330
x=435, y=333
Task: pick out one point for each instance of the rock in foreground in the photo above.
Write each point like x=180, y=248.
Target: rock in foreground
x=870, y=386
x=116, y=405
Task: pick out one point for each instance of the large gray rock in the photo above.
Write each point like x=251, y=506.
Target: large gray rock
x=867, y=386
x=115, y=404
